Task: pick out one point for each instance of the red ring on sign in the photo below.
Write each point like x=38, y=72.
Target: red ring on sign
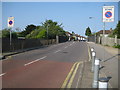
x=108, y=14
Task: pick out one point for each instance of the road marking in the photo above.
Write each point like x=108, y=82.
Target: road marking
x=66, y=46
x=35, y=61
x=57, y=51
x=80, y=75
x=2, y=74
x=89, y=53
x=72, y=77
x=68, y=76
x=70, y=44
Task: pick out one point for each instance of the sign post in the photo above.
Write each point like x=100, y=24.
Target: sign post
x=108, y=16
x=10, y=25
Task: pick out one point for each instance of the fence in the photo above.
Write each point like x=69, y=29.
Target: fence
x=104, y=40
x=18, y=44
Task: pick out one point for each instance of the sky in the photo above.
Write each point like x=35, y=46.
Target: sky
x=73, y=15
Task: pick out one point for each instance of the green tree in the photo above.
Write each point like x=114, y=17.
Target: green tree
x=37, y=33
x=53, y=29
x=28, y=30
x=73, y=34
x=6, y=34
x=41, y=31
x=42, y=34
x=116, y=31
x=88, y=32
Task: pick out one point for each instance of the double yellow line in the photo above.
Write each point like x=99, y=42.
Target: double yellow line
x=70, y=77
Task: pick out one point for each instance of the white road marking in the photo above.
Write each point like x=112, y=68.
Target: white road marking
x=66, y=46
x=70, y=44
x=35, y=61
x=2, y=74
x=57, y=51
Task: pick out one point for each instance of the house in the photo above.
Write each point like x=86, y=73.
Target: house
x=69, y=35
x=107, y=32
x=75, y=37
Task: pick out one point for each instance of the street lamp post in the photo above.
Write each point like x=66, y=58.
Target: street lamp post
x=95, y=30
x=47, y=34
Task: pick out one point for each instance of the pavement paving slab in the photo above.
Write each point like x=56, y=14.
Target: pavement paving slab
x=87, y=77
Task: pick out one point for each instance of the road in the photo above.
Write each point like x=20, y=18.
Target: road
x=55, y=66
x=111, y=64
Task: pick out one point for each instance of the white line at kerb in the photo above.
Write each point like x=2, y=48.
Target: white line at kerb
x=2, y=74
x=35, y=61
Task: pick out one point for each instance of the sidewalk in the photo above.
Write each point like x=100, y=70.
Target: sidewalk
x=87, y=77
x=111, y=66
x=109, y=49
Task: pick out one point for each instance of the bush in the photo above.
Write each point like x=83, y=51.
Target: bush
x=6, y=34
x=116, y=46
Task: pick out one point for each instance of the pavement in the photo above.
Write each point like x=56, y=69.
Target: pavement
x=111, y=57
x=87, y=77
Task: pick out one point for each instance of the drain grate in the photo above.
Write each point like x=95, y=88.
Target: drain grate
x=64, y=52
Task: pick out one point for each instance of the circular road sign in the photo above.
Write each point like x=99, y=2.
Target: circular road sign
x=10, y=22
x=108, y=14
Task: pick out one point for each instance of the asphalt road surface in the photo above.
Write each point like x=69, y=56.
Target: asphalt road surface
x=55, y=66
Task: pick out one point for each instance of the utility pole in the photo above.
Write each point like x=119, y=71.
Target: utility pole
x=47, y=34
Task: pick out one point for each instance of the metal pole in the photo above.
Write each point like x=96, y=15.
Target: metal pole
x=95, y=37
x=104, y=41
x=92, y=49
x=104, y=29
x=115, y=39
x=93, y=61
x=95, y=30
x=47, y=34
x=104, y=33
x=10, y=39
x=96, y=74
